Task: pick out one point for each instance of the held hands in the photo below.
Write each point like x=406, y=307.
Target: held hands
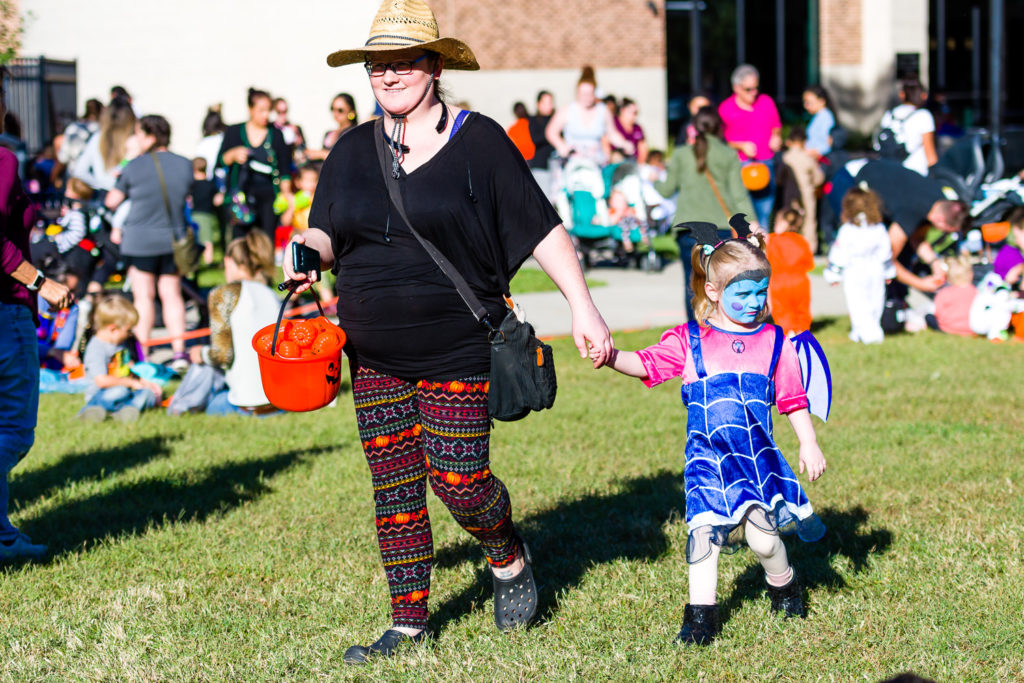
x=812, y=459
x=591, y=335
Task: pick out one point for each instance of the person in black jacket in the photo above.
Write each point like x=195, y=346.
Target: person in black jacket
x=259, y=166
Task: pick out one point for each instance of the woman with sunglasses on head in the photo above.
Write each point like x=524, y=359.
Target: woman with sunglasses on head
x=343, y=109
x=420, y=359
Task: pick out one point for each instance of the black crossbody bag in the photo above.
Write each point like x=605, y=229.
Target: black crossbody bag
x=522, y=366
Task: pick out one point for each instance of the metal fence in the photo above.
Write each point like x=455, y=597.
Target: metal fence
x=43, y=94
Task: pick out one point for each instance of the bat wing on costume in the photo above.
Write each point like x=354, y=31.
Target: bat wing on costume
x=702, y=232
x=816, y=374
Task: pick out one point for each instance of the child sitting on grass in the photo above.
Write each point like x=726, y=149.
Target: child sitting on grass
x=733, y=368
x=107, y=359
x=791, y=257
x=953, y=300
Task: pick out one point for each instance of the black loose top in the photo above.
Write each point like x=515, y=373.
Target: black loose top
x=402, y=315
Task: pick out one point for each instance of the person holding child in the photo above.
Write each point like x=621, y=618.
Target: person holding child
x=113, y=390
x=734, y=367
x=20, y=285
x=420, y=359
x=861, y=258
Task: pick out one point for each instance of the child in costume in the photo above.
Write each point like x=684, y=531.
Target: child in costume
x=861, y=258
x=733, y=367
x=791, y=258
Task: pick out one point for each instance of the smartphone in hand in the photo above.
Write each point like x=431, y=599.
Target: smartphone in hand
x=305, y=259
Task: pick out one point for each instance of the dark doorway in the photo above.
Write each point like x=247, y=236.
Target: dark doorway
x=959, y=60
x=768, y=28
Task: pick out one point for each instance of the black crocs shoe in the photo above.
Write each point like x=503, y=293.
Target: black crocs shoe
x=515, y=599
x=700, y=625
x=788, y=599
x=386, y=646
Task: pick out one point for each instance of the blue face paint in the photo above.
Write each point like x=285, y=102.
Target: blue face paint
x=743, y=300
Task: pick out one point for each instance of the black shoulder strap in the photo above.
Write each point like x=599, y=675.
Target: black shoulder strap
x=473, y=303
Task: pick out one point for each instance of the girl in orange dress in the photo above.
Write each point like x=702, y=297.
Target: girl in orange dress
x=789, y=292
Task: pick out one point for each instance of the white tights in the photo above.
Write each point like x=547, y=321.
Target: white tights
x=768, y=547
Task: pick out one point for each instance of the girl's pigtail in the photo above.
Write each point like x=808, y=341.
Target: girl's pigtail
x=702, y=305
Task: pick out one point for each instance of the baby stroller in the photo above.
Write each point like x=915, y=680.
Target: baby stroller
x=583, y=206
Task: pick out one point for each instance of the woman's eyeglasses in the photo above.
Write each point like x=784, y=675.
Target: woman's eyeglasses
x=403, y=68
x=753, y=88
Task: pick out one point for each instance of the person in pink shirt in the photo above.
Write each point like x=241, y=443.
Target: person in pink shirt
x=753, y=128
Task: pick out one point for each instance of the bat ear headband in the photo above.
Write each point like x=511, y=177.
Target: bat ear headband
x=706, y=234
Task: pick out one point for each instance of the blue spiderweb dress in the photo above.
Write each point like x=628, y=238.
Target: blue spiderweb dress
x=733, y=467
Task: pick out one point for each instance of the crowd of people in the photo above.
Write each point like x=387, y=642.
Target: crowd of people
x=419, y=359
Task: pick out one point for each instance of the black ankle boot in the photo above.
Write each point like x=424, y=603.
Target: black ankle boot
x=788, y=599
x=700, y=625
x=386, y=646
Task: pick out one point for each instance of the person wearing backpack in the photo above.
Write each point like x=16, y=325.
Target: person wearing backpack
x=907, y=132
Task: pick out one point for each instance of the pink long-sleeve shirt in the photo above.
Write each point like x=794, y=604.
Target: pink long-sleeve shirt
x=727, y=352
x=16, y=219
x=755, y=125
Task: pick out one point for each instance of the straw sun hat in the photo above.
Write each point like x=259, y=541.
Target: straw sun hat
x=402, y=24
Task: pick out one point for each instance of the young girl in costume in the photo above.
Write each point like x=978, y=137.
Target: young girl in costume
x=861, y=258
x=733, y=367
x=789, y=293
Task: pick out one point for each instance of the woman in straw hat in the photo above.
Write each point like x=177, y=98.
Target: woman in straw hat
x=419, y=358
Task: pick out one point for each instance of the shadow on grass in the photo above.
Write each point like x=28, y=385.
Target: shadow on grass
x=568, y=540
x=813, y=561
x=824, y=322
x=96, y=464
x=188, y=496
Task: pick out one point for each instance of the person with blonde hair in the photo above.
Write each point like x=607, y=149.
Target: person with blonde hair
x=110, y=149
x=585, y=126
x=734, y=366
x=108, y=358
x=224, y=378
x=420, y=357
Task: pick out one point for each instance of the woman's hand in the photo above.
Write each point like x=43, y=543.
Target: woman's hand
x=591, y=335
x=812, y=460
x=56, y=294
x=116, y=234
x=236, y=155
x=195, y=354
x=315, y=239
x=748, y=148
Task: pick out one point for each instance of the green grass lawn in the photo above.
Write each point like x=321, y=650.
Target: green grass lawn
x=229, y=549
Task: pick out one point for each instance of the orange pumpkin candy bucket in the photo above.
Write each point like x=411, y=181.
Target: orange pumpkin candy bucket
x=300, y=361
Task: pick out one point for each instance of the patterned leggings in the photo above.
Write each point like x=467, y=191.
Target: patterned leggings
x=437, y=431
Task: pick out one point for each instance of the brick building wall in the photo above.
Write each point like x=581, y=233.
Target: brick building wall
x=840, y=32
x=536, y=34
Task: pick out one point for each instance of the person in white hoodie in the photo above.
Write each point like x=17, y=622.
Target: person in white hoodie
x=861, y=258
